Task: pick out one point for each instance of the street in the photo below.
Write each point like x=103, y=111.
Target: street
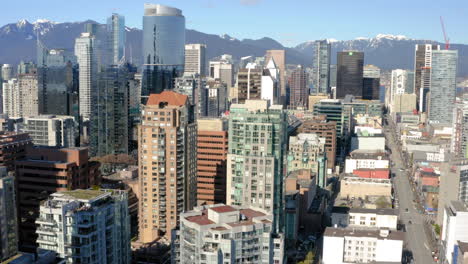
x=416, y=239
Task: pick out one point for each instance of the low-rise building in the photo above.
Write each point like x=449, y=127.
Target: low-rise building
x=352, y=186
x=86, y=226
x=226, y=234
x=365, y=159
x=462, y=253
x=372, y=173
x=367, y=141
x=304, y=152
x=364, y=218
x=349, y=245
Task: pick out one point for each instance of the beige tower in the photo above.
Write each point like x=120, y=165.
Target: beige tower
x=167, y=164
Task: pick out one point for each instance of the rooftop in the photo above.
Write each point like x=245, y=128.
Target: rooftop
x=347, y=232
x=80, y=194
x=169, y=97
x=223, y=209
x=381, y=211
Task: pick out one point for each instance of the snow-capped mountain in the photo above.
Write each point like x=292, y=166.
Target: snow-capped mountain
x=18, y=42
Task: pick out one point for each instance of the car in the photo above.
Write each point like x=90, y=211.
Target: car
x=409, y=222
x=406, y=210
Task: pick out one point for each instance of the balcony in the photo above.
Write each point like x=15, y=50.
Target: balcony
x=44, y=221
x=46, y=242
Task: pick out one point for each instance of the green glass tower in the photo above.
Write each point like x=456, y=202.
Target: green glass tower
x=257, y=148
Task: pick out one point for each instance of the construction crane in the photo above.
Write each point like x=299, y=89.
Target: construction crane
x=447, y=40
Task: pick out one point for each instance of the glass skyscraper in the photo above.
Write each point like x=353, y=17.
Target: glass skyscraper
x=350, y=70
x=57, y=81
x=443, y=85
x=116, y=38
x=322, y=66
x=163, y=47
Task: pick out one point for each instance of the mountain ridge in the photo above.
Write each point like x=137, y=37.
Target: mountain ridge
x=18, y=42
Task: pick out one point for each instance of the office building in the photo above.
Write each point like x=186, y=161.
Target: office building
x=43, y=171
x=212, y=149
x=12, y=148
x=7, y=72
x=422, y=72
x=249, y=84
x=110, y=123
x=116, y=38
x=371, y=71
x=163, y=47
x=85, y=52
x=279, y=56
x=257, y=141
x=215, y=97
x=455, y=217
x=335, y=111
x=167, y=164
x=226, y=234
x=304, y=152
x=8, y=217
x=270, y=89
x=223, y=70
x=322, y=57
x=90, y=226
x=298, y=89
x=195, y=59
x=326, y=130
x=57, y=75
x=371, y=88
x=443, y=86
x=52, y=131
x=348, y=245
x=349, y=78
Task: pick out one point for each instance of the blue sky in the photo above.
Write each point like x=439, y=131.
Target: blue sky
x=288, y=21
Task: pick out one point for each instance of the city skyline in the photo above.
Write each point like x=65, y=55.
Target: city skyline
x=290, y=31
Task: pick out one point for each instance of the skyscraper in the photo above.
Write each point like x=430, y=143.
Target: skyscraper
x=280, y=60
x=57, y=82
x=116, y=38
x=163, y=47
x=298, y=90
x=167, y=164
x=95, y=226
x=195, y=59
x=321, y=66
x=401, y=84
x=87, y=61
x=212, y=148
x=110, y=122
x=349, y=78
x=443, y=85
x=19, y=96
x=257, y=145
x=422, y=72
x=8, y=217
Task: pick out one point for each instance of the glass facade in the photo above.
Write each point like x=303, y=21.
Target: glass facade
x=443, y=85
x=322, y=66
x=57, y=82
x=116, y=38
x=163, y=47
